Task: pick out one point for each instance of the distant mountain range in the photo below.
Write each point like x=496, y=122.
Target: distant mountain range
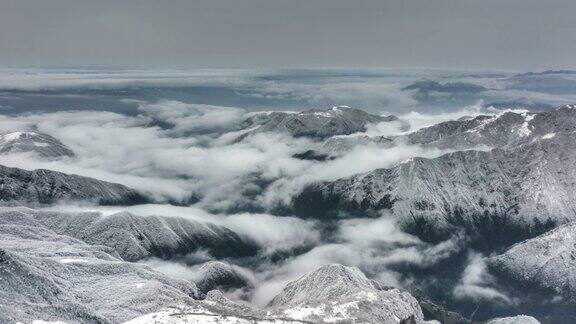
x=547, y=72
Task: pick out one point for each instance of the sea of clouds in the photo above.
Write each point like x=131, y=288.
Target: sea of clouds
x=177, y=151
x=198, y=156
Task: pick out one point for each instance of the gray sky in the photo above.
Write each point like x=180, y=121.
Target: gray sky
x=499, y=34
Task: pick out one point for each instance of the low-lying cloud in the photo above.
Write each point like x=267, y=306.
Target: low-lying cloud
x=476, y=282
x=179, y=152
x=193, y=119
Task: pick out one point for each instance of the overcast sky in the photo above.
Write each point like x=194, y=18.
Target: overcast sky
x=493, y=34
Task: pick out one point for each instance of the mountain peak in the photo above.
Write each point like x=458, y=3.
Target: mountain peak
x=316, y=123
x=41, y=144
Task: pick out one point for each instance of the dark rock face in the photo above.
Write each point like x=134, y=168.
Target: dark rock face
x=431, y=310
x=316, y=123
x=46, y=187
x=410, y=320
x=312, y=156
x=43, y=145
x=138, y=237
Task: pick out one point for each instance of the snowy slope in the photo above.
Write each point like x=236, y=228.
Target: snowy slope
x=40, y=144
x=528, y=178
x=316, y=123
x=45, y=187
x=546, y=261
x=330, y=294
x=220, y=275
x=336, y=293
x=54, y=277
x=137, y=237
x=520, y=319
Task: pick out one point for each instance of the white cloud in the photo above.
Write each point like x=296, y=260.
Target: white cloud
x=271, y=233
x=173, y=269
x=275, y=233
x=373, y=94
x=193, y=118
x=360, y=159
x=373, y=245
x=168, y=165
x=475, y=282
x=364, y=231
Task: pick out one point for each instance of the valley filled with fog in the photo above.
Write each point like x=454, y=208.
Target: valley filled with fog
x=437, y=183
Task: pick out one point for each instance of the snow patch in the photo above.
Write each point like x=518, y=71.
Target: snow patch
x=483, y=124
x=323, y=114
x=14, y=136
x=197, y=315
x=520, y=319
x=549, y=136
x=302, y=313
x=73, y=261
x=524, y=129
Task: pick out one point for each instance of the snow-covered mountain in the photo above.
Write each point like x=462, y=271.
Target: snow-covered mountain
x=506, y=130
x=315, y=123
x=46, y=186
x=546, y=262
x=342, y=293
x=526, y=181
x=220, y=275
x=41, y=144
x=330, y=294
x=52, y=277
x=138, y=237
